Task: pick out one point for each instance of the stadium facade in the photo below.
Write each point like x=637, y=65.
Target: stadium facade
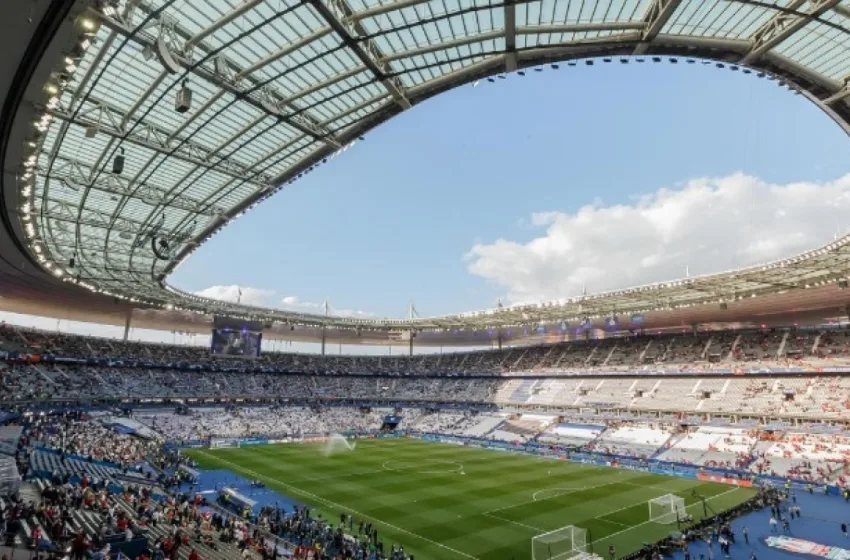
x=107, y=190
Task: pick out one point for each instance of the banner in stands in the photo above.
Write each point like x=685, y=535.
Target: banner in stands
x=706, y=477
x=253, y=441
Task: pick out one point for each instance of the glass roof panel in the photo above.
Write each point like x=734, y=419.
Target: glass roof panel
x=278, y=85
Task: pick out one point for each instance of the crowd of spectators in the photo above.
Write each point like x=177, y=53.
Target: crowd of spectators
x=74, y=434
x=246, y=422
x=90, y=518
x=815, y=397
x=635, y=352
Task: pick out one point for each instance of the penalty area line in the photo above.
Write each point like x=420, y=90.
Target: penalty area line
x=633, y=527
x=310, y=495
x=523, y=525
x=534, y=501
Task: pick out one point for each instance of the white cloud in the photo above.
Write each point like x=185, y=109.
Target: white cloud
x=292, y=303
x=707, y=225
x=266, y=298
x=250, y=295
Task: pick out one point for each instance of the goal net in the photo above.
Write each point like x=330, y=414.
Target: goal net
x=566, y=543
x=216, y=443
x=667, y=509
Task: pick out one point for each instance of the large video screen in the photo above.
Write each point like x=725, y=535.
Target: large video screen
x=234, y=342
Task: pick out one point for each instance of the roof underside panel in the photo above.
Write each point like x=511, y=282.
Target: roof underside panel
x=281, y=85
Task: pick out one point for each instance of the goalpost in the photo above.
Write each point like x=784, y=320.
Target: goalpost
x=219, y=443
x=566, y=543
x=667, y=509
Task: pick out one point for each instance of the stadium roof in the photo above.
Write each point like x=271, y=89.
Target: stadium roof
x=114, y=187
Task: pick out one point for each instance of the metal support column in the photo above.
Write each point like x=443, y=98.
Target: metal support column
x=327, y=309
x=412, y=336
x=499, y=340
x=127, y=321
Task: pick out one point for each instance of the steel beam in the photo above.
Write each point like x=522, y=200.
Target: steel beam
x=75, y=174
x=285, y=51
x=249, y=95
x=510, y=35
x=365, y=50
x=525, y=30
x=157, y=140
x=436, y=47
x=380, y=9
x=784, y=24
x=657, y=16
x=246, y=6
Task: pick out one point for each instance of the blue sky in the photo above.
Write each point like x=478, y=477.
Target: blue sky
x=396, y=217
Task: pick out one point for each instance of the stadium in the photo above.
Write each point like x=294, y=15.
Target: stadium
x=695, y=416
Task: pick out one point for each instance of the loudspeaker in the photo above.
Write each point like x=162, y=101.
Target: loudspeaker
x=118, y=163
x=183, y=101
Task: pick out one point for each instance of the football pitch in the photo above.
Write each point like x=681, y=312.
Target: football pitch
x=447, y=502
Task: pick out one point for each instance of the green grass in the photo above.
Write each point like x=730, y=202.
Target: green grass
x=416, y=495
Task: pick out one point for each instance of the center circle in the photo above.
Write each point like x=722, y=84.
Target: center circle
x=427, y=466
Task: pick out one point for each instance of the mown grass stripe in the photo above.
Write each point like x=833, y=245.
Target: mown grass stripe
x=438, y=516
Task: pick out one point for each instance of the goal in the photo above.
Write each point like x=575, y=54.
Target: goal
x=566, y=543
x=216, y=443
x=667, y=509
